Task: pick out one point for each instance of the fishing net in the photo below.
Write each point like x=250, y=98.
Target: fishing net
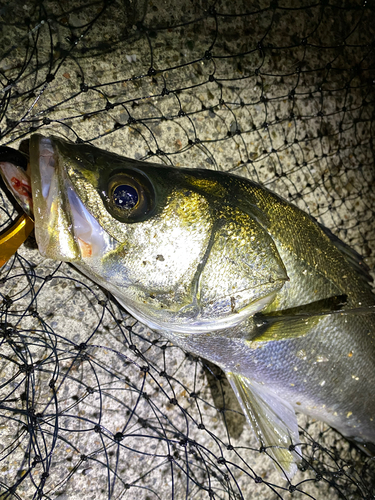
x=93, y=404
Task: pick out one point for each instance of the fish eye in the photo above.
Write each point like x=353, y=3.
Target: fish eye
x=129, y=196
x=125, y=196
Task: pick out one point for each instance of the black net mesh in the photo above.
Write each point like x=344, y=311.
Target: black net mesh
x=93, y=404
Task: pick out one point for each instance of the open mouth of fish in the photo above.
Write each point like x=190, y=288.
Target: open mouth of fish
x=64, y=228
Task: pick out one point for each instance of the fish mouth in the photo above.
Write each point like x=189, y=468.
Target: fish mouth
x=64, y=229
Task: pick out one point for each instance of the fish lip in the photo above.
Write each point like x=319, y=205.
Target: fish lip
x=64, y=228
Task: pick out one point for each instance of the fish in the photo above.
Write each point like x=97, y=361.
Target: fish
x=222, y=267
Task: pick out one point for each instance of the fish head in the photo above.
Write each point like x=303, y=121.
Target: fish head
x=172, y=245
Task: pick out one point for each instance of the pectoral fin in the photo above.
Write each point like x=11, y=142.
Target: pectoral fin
x=296, y=321
x=273, y=420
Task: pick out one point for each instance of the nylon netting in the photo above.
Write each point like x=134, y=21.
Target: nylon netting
x=93, y=404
